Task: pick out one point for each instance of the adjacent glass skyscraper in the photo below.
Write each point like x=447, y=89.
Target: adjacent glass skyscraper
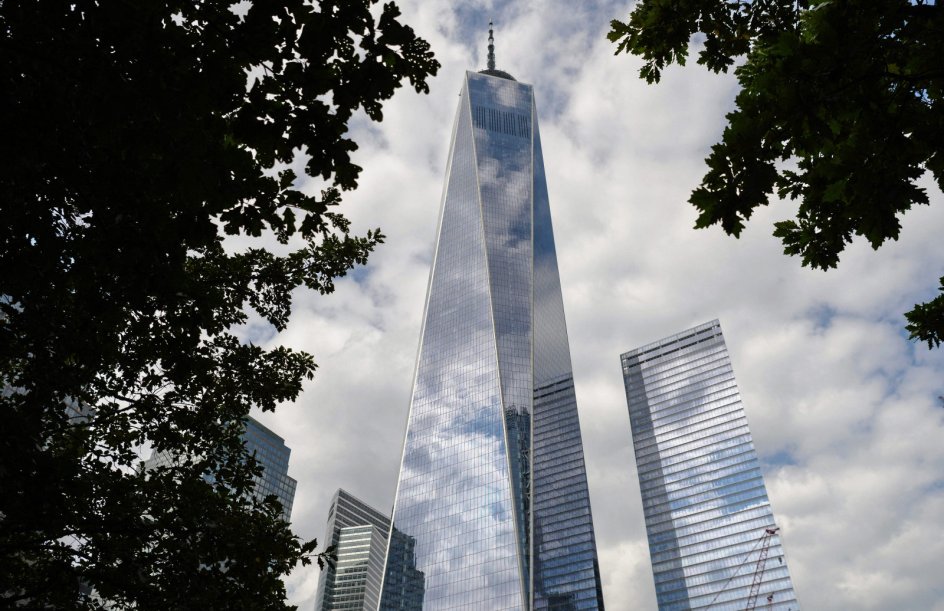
x=272, y=455
x=492, y=493
x=703, y=494
x=359, y=533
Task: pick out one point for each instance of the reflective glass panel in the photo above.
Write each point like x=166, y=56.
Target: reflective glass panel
x=566, y=570
x=454, y=514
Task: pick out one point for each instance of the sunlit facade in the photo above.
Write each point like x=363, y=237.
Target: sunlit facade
x=492, y=491
x=358, y=532
x=703, y=493
x=359, y=569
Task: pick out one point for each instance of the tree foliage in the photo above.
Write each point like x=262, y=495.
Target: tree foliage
x=137, y=136
x=840, y=107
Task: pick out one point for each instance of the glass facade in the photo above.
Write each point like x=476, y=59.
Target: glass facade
x=359, y=534
x=492, y=496
x=404, y=586
x=703, y=493
x=359, y=569
x=272, y=455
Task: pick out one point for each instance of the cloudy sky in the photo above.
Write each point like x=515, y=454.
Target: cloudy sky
x=843, y=408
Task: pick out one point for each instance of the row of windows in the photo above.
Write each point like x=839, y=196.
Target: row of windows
x=549, y=440
x=489, y=567
x=674, y=343
x=705, y=501
x=756, y=505
x=565, y=511
x=732, y=526
x=674, y=371
x=548, y=488
x=734, y=598
x=565, y=571
x=685, y=409
x=656, y=370
x=351, y=514
x=717, y=489
x=700, y=415
x=502, y=121
x=723, y=549
x=671, y=393
x=654, y=393
x=728, y=426
x=708, y=509
x=706, y=539
x=545, y=499
x=472, y=491
x=571, y=466
x=710, y=523
x=683, y=475
x=551, y=405
x=682, y=406
x=546, y=465
x=708, y=571
x=783, y=599
x=733, y=578
x=678, y=466
x=561, y=552
x=702, y=449
x=459, y=564
x=556, y=388
x=572, y=528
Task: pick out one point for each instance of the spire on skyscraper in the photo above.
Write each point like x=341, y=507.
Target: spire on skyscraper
x=490, y=68
x=491, y=47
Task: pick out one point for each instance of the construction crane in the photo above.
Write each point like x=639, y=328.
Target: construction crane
x=759, y=570
x=759, y=567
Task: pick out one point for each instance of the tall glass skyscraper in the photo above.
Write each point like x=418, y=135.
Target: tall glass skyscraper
x=492, y=488
x=703, y=494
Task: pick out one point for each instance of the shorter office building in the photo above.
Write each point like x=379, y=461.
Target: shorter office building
x=358, y=569
x=359, y=534
x=712, y=537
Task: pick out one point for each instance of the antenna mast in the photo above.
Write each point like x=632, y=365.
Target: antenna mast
x=491, y=47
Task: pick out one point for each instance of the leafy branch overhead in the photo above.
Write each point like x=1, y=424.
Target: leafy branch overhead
x=137, y=138
x=840, y=108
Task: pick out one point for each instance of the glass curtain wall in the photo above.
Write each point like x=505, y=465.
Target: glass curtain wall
x=360, y=555
x=469, y=498
x=703, y=493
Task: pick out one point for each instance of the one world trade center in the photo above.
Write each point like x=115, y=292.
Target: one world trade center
x=492, y=509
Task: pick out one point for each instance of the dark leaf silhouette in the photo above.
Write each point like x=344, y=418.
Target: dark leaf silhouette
x=144, y=146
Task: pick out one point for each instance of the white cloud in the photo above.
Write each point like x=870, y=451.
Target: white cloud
x=840, y=403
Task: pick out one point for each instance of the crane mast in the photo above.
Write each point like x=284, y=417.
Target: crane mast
x=759, y=567
x=759, y=570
